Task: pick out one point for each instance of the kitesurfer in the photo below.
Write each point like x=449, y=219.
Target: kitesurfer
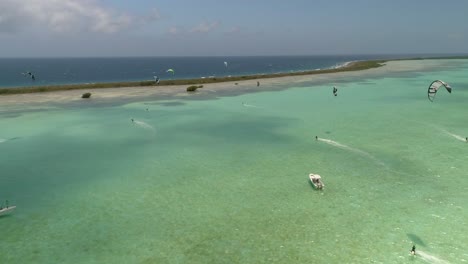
x=33, y=78
x=413, y=250
x=316, y=138
x=133, y=120
x=258, y=83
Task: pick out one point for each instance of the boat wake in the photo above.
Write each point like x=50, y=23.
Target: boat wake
x=2, y=140
x=448, y=133
x=454, y=135
x=348, y=148
x=430, y=258
x=143, y=125
x=249, y=105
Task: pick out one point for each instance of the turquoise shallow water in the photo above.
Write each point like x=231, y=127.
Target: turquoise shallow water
x=216, y=181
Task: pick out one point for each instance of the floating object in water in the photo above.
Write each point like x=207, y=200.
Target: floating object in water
x=7, y=209
x=316, y=180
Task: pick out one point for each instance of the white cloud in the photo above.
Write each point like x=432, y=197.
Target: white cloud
x=234, y=30
x=173, y=30
x=153, y=15
x=205, y=27
x=61, y=16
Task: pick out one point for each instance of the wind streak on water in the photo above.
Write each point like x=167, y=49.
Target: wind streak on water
x=357, y=151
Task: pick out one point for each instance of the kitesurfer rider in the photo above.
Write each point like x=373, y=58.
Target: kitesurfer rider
x=413, y=250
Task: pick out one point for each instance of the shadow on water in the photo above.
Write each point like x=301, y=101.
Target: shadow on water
x=416, y=239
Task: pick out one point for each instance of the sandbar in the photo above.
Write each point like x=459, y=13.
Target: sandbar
x=174, y=92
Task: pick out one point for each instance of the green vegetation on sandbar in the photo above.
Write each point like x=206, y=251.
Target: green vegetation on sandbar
x=353, y=66
x=193, y=88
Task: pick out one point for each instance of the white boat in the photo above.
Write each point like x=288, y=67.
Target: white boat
x=7, y=210
x=316, y=180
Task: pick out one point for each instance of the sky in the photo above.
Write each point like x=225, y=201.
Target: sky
x=110, y=28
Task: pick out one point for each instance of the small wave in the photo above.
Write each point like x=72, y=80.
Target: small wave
x=2, y=140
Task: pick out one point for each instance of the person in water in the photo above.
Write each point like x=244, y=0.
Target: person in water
x=413, y=250
x=133, y=120
x=316, y=138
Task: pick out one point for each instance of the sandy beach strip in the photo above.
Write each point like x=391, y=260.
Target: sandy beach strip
x=179, y=91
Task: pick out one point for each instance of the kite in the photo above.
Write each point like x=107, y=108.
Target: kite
x=434, y=87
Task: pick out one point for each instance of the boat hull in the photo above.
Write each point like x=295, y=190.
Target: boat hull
x=8, y=210
x=316, y=181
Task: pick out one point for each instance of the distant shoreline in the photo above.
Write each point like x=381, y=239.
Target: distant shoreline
x=346, y=67
x=52, y=98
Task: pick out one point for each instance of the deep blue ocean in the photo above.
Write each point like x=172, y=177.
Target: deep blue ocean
x=54, y=71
